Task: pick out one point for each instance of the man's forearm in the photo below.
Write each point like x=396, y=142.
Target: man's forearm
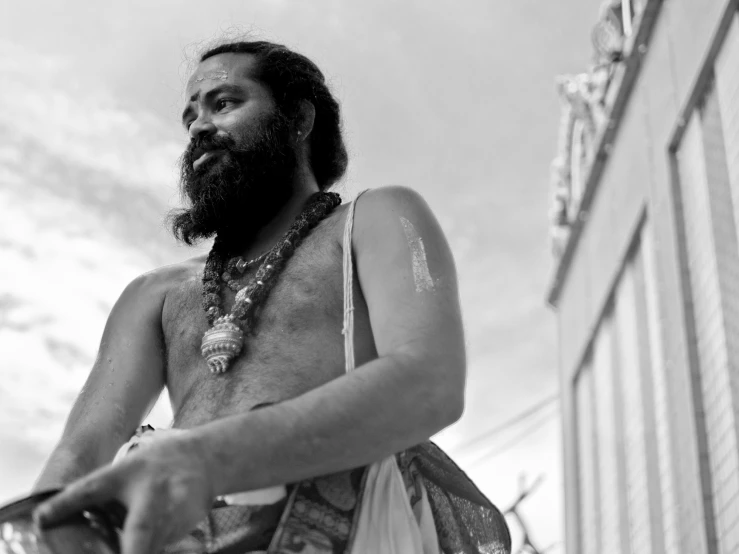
x=63, y=466
x=381, y=408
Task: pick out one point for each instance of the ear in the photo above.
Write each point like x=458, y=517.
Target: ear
x=305, y=119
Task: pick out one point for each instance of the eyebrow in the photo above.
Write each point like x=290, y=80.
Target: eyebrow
x=232, y=89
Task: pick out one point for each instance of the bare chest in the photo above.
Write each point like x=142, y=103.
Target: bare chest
x=297, y=342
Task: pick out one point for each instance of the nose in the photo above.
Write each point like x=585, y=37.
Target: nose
x=202, y=127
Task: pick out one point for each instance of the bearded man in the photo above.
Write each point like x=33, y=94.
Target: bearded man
x=276, y=444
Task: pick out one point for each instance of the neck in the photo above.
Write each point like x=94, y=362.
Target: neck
x=304, y=186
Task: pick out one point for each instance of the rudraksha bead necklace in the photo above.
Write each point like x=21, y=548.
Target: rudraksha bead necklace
x=225, y=339
x=236, y=267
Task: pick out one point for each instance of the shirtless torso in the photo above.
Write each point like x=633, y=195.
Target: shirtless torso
x=152, y=340
x=297, y=346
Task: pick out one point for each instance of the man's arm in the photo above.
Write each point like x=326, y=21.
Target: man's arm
x=124, y=383
x=412, y=390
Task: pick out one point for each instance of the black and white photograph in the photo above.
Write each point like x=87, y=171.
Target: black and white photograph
x=345, y=277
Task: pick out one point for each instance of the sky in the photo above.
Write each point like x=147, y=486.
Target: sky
x=453, y=99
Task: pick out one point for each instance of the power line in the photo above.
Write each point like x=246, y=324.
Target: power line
x=495, y=451
x=521, y=416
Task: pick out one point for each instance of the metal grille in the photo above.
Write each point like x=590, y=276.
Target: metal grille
x=607, y=441
x=660, y=394
x=634, y=418
x=702, y=270
x=727, y=89
x=586, y=461
x=718, y=376
x=714, y=270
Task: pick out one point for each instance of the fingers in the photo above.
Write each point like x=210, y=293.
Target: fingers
x=95, y=489
x=139, y=532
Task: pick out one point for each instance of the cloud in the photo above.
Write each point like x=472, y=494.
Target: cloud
x=76, y=119
x=82, y=184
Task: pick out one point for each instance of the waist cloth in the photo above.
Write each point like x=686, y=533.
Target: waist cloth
x=318, y=516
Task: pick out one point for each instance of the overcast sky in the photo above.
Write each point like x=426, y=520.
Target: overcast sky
x=453, y=99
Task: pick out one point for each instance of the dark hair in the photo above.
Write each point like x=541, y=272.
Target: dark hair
x=291, y=77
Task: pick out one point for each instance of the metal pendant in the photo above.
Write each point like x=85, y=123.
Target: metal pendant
x=222, y=343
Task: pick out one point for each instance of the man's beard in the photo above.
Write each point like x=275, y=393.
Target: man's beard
x=238, y=190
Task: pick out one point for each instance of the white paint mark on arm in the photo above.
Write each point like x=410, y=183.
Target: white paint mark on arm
x=421, y=274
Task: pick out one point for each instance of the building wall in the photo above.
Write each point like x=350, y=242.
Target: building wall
x=727, y=91
x=645, y=326
x=636, y=421
x=586, y=463
x=664, y=500
x=607, y=467
x=702, y=286
x=713, y=272
x=648, y=310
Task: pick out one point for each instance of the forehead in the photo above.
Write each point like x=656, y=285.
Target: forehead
x=231, y=68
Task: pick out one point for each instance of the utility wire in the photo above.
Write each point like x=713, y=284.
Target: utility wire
x=522, y=416
x=495, y=451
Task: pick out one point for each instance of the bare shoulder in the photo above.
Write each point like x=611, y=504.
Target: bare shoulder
x=149, y=290
x=376, y=207
x=383, y=215
x=401, y=247
x=394, y=214
x=392, y=197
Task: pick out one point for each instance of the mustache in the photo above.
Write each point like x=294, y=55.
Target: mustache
x=209, y=143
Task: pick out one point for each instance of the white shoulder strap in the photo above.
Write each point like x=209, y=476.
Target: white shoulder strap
x=348, y=330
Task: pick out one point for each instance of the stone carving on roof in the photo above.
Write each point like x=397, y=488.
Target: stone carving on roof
x=585, y=101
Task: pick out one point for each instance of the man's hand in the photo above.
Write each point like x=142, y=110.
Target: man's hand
x=165, y=487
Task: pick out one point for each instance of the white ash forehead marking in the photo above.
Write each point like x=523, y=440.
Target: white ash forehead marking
x=219, y=75
x=421, y=275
